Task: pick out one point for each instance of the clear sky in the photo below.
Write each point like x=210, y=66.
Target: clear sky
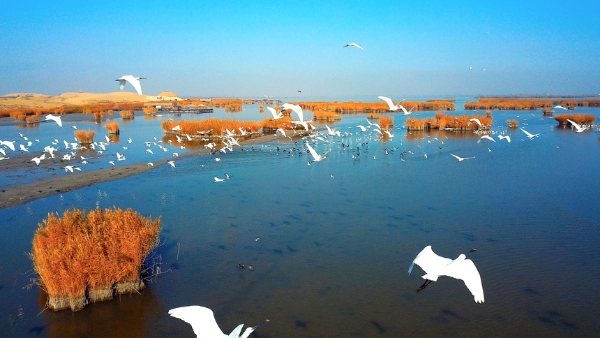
x=257, y=48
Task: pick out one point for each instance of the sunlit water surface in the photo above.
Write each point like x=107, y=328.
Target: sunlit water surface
x=339, y=235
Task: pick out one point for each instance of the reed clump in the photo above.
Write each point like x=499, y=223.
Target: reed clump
x=112, y=127
x=386, y=122
x=126, y=114
x=88, y=258
x=450, y=122
x=217, y=127
x=583, y=119
x=85, y=136
x=150, y=110
x=32, y=119
x=512, y=123
x=322, y=115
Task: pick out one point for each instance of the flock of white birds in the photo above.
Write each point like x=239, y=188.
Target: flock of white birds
x=202, y=319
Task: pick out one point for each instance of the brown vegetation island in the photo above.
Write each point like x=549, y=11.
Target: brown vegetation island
x=581, y=119
x=450, y=122
x=500, y=103
x=88, y=258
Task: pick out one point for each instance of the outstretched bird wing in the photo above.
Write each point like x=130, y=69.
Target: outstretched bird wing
x=389, y=101
x=313, y=152
x=429, y=261
x=465, y=270
x=201, y=319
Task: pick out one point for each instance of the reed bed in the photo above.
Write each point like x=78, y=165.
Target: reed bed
x=527, y=104
x=386, y=122
x=150, y=110
x=450, y=122
x=85, y=136
x=99, y=115
x=126, y=114
x=112, y=127
x=230, y=105
x=584, y=119
x=322, y=115
x=377, y=107
x=216, y=126
x=32, y=119
x=512, y=123
x=87, y=258
x=285, y=123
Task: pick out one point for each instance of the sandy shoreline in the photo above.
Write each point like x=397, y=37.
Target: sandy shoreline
x=16, y=195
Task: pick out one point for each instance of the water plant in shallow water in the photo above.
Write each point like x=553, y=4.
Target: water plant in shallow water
x=83, y=258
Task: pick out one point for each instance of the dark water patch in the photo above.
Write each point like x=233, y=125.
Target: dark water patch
x=286, y=222
x=290, y=249
x=272, y=225
x=492, y=240
x=37, y=330
x=546, y=320
x=278, y=251
x=430, y=208
x=324, y=212
x=452, y=314
x=469, y=236
x=306, y=205
x=380, y=328
x=315, y=243
x=532, y=292
x=392, y=225
x=294, y=217
x=341, y=213
x=301, y=324
x=221, y=247
x=398, y=218
x=231, y=225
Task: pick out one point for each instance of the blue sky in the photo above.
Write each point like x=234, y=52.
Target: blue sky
x=256, y=48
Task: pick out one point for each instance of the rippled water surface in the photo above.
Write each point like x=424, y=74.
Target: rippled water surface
x=339, y=235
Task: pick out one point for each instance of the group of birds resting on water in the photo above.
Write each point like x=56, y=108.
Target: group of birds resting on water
x=204, y=324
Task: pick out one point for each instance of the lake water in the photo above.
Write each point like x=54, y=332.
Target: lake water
x=339, y=235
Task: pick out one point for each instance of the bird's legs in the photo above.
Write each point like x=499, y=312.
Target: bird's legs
x=427, y=282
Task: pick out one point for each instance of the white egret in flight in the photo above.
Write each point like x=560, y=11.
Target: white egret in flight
x=54, y=118
x=459, y=268
x=578, y=128
x=353, y=44
x=134, y=80
x=460, y=159
x=204, y=324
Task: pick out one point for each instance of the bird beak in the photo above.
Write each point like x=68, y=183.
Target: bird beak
x=260, y=324
x=472, y=250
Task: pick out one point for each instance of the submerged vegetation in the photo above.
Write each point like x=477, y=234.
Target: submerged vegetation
x=87, y=258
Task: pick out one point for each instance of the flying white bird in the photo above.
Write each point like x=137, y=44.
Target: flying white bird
x=177, y=127
x=316, y=157
x=487, y=137
x=54, y=118
x=172, y=163
x=502, y=137
x=276, y=115
x=460, y=159
x=390, y=103
x=353, y=44
x=204, y=324
x=134, y=80
x=218, y=179
x=559, y=107
x=476, y=121
x=36, y=160
x=9, y=144
x=459, y=268
x=578, y=128
x=530, y=135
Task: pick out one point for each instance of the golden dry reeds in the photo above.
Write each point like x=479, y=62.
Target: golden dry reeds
x=584, y=119
x=112, y=127
x=386, y=122
x=217, y=126
x=126, y=114
x=512, y=123
x=450, y=122
x=85, y=136
x=150, y=110
x=32, y=119
x=322, y=115
x=81, y=258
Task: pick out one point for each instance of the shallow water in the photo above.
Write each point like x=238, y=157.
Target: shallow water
x=339, y=235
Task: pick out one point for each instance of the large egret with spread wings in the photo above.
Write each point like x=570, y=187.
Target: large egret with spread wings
x=134, y=80
x=204, y=323
x=459, y=268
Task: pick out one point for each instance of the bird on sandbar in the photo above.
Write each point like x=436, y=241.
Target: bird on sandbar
x=459, y=268
x=204, y=324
